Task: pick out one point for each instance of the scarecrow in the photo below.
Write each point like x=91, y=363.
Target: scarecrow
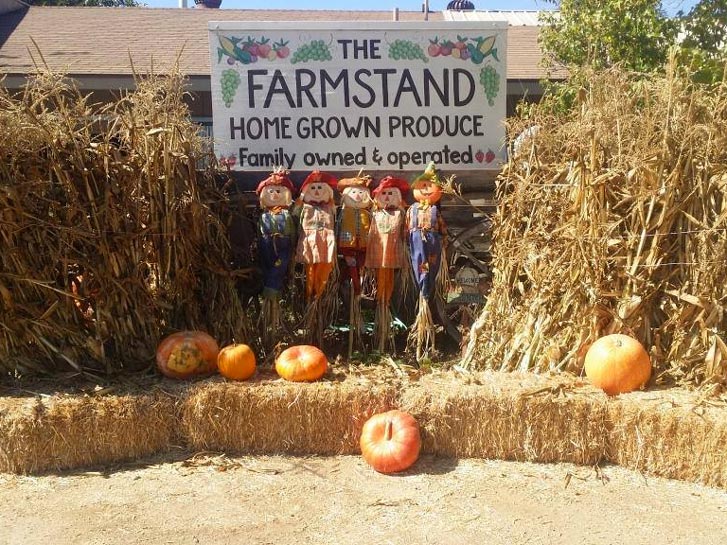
x=276, y=228
x=386, y=249
x=426, y=236
x=316, y=213
x=352, y=234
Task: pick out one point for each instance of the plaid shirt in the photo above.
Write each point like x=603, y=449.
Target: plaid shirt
x=425, y=217
x=317, y=242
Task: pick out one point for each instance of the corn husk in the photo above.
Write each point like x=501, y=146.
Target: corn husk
x=113, y=229
x=611, y=218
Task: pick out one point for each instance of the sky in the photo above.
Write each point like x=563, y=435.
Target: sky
x=670, y=6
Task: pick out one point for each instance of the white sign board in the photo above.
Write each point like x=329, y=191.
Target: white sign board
x=346, y=96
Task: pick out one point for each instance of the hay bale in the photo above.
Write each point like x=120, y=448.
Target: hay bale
x=672, y=434
x=64, y=431
x=515, y=416
x=274, y=416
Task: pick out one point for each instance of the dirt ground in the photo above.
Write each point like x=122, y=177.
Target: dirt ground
x=214, y=499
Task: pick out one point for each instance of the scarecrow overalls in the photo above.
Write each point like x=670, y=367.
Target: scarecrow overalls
x=277, y=231
x=426, y=229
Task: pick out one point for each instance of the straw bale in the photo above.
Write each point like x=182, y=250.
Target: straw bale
x=276, y=416
x=673, y=434
x=49, y=433
x=515, y=416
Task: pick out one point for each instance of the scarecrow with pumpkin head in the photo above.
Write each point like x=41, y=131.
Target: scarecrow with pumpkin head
x=352, y=234
x=276, y=228
x=427, y=233
x=386, y=249
x=316, y=213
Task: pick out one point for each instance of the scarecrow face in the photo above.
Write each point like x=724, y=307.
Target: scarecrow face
x=318, y=192
x=389, y=197
x=425, y=190
x=275, y=195
x=356, y=197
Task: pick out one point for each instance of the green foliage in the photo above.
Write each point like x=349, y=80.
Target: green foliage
x=600, y=34
x=706, y=26
x=704, y=49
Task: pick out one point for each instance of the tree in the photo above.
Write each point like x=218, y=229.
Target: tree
x=703, y=46
x=95, y=3
x=601, y=33
x=706, y=27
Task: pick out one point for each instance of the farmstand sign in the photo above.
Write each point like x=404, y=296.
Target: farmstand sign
x=342, y=96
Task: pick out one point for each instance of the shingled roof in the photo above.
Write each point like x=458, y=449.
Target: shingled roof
x=99, y=41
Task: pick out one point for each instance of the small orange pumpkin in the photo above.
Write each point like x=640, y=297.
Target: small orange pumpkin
x=302, y=363
x=390, y=441
x=186, y=354
x=236, y=362
x=617, y=364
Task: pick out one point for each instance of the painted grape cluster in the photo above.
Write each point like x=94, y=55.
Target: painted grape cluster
x=406, y=50
x=490, y=80
x=230, y=82
x=317, y=50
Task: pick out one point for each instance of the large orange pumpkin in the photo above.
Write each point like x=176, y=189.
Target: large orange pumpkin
x=302, y=363
x=390, y=441
x=187, y=354
x=236, y=362
x=617, y=364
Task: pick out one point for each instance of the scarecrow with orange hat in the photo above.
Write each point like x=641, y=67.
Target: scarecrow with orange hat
x=352, y=234
x=426, y=236
x=316, y=212
x=276, y=228
x=386, y=249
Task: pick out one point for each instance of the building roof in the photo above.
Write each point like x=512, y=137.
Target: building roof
x=99, y=41
x=513, y=17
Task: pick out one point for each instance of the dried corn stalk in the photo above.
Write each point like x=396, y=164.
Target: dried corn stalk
x=613, y=218
x=110, y=236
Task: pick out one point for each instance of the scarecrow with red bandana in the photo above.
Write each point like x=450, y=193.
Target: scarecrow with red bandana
x=316, y=213
x=386, y=251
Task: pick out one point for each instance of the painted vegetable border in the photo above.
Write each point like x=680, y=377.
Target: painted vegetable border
x=254, y=49
x=251, y=50
x=476, y=49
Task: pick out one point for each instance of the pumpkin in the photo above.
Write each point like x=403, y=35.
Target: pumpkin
x=236, y=362
x=390, y=441
x=187, y=354
x=302, y=363
x=617, y=364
